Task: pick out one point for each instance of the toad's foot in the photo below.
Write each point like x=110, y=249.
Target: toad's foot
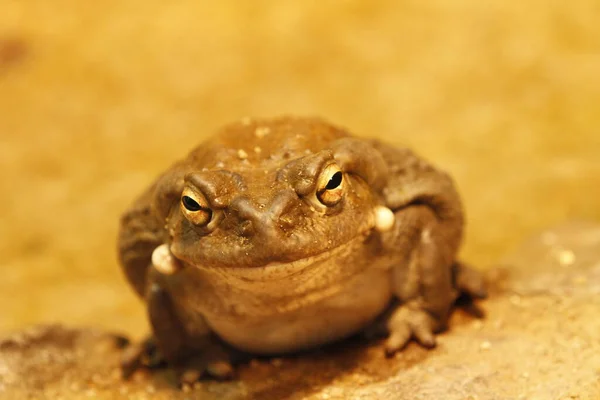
x=215, y=361
x=468, y=281
x=192, y=369
x=140, y=355
x=406, y=322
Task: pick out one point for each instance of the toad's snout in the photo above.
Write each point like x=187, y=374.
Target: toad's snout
x=266, y=219
x=268, y=222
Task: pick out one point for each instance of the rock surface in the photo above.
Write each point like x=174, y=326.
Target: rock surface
x=540, y=340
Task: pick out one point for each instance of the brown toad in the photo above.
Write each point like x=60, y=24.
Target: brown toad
x=281, y=235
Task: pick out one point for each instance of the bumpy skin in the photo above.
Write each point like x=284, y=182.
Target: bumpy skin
x=275, y=271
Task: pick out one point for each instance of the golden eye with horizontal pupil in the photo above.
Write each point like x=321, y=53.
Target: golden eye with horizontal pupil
x=330, y=185
x=195, y=207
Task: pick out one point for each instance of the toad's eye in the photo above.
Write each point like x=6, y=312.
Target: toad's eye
x=190, y=204
x=195, y=207
x=330, y=185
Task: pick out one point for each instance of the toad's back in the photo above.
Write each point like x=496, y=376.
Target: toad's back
x=252, y=144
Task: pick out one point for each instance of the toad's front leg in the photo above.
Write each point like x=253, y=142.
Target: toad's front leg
x=424, y=240
x=190, y=355
x=428, y=284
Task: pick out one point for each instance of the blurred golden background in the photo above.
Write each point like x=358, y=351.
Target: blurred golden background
x=97, y=97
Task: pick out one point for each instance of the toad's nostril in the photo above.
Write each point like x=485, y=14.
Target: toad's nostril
x=245, y=228
x=266, y=221
x=245, y=209
x=253, y=219
x=282, y=204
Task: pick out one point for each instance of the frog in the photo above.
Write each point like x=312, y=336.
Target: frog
x=277, y=236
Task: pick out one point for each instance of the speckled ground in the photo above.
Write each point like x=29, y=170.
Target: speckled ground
x=97, y=97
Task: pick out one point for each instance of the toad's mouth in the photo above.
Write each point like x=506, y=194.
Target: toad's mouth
x=166, y=263
x=285, y=270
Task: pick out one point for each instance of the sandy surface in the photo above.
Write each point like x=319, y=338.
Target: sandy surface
x=97, y=97
x=537, y=341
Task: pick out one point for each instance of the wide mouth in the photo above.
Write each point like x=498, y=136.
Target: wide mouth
x=285, y=270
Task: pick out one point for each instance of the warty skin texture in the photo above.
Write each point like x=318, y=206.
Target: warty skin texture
x=302, y=235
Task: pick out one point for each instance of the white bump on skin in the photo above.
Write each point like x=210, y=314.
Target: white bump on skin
x=426, y=236
x=384, y=218
x=163, y=260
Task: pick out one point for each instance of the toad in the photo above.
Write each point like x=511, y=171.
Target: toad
x=281, y=235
